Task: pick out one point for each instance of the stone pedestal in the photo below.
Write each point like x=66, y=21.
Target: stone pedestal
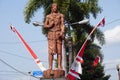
x=53, y=73
x=62, y=78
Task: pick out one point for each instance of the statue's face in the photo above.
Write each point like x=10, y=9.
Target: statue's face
x=54, y=7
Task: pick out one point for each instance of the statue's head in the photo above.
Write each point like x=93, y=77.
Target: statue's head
x=54, y=7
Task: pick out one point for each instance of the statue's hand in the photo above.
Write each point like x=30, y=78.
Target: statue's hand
x=62, y=35
x=51, y=19
x=51, y=23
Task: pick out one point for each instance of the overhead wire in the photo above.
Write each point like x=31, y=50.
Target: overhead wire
x=9, y=53
x=113, y=21
x=16, y=69
x=21, y=43
x=13, y=67
x=6, y=72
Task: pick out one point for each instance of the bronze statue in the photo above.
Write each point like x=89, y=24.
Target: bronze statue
x=55, y=23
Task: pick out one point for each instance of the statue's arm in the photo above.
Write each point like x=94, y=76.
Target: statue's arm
x=47, y=23
x=62, y=24
x=62, y=27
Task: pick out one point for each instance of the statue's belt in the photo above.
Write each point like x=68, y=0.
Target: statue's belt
x=54, y=30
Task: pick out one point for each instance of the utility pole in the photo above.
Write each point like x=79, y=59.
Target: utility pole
x=118, y=69
x=70, y=43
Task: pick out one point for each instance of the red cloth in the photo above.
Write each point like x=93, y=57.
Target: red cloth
x=96, y=61
x=72, y=75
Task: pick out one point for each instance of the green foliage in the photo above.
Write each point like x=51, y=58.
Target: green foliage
x=100, y=37
x=32, y=6
x=90, y=72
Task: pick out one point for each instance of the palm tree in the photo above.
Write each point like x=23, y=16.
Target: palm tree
x=74, y=11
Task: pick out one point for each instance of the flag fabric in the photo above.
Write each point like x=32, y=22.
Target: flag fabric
x=96, y=61
x=101, y=23
x=36, y=59
x=80, y=53
x=72, y=75
x=74, y=71
x=77, y=67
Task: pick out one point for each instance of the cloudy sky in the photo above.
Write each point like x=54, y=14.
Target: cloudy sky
x=114, y=37
x=13, y=53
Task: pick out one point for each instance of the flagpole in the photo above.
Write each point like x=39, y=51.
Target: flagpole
x=64, y=58
x=88, y=38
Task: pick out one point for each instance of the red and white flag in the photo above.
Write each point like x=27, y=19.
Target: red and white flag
x=36, y=59
x=80, y=53
x=96, y=61
x=74, y=71
x=72, y=75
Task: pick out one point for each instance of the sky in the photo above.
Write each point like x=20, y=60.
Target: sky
x=13, y=54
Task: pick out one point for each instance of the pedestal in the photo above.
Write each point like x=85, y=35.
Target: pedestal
x=62, y=78
x=53, y=73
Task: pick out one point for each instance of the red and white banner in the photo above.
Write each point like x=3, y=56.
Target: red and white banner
x=36, y=59
x=72, y=75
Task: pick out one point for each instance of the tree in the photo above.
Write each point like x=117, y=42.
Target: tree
x=74, y=11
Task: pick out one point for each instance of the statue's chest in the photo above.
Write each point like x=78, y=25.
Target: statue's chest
x=56, y=17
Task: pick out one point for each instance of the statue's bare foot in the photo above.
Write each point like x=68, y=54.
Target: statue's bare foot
x=50, y=68
x=59, y=68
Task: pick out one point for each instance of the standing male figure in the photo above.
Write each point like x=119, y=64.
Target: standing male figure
x=55, y=23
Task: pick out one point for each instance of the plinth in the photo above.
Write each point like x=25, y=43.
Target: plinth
x=53, y=73
x=62, y=78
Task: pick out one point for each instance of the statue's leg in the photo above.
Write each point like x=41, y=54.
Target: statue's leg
x=59, y=53
x=50, y=55
x=50, y=61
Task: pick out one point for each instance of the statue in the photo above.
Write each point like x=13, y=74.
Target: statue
x=55, y=23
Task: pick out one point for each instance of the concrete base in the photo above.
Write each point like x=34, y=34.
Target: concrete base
x=63, y=78
x=53, y=73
